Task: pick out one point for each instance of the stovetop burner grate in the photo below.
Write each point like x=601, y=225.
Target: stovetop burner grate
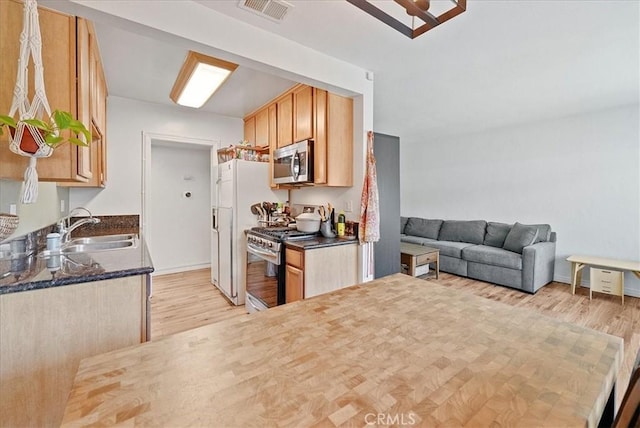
x=283, y=233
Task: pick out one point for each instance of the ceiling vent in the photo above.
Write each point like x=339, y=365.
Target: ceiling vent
x=275, y=10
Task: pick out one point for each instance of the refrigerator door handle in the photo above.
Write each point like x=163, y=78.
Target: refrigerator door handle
x=234, y=293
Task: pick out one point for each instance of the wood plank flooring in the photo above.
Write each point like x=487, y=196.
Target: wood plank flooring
x=187, y=300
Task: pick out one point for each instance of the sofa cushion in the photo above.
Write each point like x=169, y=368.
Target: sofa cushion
x=492, y=256
x=544, y=232
x=419, y=240
x=463, y=231
x=448, y=248
x=496, y=233
x=520, y=236
x=403, y=224
x=423, y=227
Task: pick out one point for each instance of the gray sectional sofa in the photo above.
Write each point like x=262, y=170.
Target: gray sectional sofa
x=517, y=256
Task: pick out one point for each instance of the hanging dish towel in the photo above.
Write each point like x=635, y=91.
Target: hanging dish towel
x=30, y=46
x=369, y=205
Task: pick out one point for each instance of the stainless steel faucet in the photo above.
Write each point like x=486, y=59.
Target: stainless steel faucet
x=65, y=230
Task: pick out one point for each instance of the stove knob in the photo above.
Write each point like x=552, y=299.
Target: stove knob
x=270, y=244
x=260, y=242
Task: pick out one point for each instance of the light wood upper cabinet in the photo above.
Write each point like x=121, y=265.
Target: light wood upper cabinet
x=250, y=130
x=58, y=32
x=67, y=59
x=262, y=128
x=284, y=111
x=93, y=87
x=302, y=113
x=339, y=140
x=273, y=138
x=84, y=61
x=320, y=138
x=258, y=129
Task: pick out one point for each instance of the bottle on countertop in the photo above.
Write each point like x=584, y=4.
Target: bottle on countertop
x=341, y=224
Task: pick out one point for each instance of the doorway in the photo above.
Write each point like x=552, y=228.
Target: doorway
x=177, y=202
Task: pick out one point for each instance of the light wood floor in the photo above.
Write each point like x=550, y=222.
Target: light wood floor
x=187, y=300
x=182, y=301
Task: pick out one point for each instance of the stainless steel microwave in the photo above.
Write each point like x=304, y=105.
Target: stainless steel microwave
x=293, y=164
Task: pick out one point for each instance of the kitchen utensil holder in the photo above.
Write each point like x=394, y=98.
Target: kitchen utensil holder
x=326, y=229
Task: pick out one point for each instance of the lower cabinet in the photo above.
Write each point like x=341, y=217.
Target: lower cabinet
x=294, y=275
x=45, y=333
x=320, y=270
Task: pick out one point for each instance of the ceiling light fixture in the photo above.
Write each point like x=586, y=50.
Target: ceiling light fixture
x=199, y=77
x=416, y=9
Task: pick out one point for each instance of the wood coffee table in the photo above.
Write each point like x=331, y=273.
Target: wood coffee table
x=414, y=255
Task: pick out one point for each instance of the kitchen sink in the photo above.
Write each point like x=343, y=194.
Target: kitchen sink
x=102, y=239
x=96, y=246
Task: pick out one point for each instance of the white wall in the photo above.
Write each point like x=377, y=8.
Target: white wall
x=126, y=120
x=45, y=211
x=580, y=174
x=179, y=227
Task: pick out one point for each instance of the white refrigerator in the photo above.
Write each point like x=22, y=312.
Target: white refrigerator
x=236, y=185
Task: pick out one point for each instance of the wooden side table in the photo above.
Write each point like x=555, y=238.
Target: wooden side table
x=414, y=255
x=579, y=262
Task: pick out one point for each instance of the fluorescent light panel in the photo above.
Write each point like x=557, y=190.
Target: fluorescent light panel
x=199, y=77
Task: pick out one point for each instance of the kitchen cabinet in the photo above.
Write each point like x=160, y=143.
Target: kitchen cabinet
x=257, y=128
x=262, y=128
x=250, y=130
x=333, y=140
x=92, y=158
x=66, y=50
x=294, y=275
x=58, y=33
x=302, y=113
x=284, y=114
x=316, y=271
x=45, y=333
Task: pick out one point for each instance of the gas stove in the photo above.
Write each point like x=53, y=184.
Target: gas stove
x=282, y=233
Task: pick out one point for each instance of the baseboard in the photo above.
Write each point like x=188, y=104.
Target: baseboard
x=629, y=290
x=179, y=269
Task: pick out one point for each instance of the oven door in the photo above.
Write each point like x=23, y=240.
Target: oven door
x=264, y=279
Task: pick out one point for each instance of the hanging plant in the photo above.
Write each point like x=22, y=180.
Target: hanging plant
x=61, y=120
x=31, y=135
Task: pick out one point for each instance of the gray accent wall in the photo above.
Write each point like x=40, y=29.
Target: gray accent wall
x=386, y=149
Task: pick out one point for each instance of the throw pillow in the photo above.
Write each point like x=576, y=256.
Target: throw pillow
x=544, y=232
x=471, y=231
x=423, y=227
x=403, y=224
x=520, y=236
x=496, y=234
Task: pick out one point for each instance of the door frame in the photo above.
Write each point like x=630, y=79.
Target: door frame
x=148, y=140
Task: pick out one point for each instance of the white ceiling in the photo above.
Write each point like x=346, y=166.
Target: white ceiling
x=501, y=62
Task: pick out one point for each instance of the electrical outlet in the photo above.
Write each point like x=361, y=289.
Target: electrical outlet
x=62, y=205
x=348, y=206
x=13, y=209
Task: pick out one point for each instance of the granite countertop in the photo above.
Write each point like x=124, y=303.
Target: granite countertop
x=24, y=272
x=319, y=242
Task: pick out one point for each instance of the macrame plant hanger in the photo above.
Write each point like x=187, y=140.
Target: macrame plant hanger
x=30, y=45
